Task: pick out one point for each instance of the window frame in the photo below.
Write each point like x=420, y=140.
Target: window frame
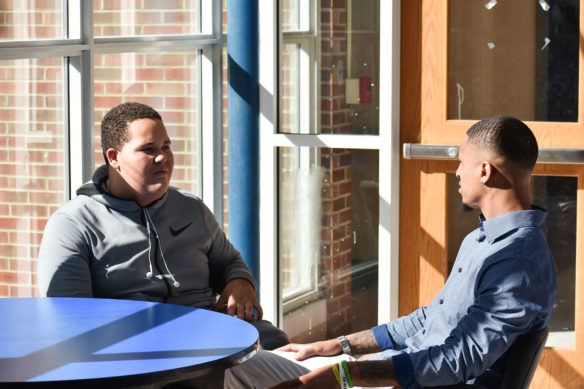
x=306, y=80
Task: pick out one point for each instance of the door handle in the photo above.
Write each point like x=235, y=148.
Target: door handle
x=450, y=152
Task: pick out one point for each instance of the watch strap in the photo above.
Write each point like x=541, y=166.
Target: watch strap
x=345, y=344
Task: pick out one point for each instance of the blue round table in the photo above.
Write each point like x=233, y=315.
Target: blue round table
x=87, y=342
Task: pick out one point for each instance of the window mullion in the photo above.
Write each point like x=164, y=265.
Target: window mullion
x=80, y=91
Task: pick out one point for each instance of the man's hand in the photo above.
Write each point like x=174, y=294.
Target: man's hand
x=316, y=379
x=240, y=299
x=325, y=348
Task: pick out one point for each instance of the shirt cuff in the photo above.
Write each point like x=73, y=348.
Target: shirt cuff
x=404, y=371
x=382, y=337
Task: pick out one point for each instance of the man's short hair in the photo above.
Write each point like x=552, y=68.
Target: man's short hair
x=508, y=138
x=114, y=126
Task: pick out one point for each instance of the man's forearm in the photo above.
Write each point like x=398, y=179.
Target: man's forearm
x=373, y=373
x=363, y=343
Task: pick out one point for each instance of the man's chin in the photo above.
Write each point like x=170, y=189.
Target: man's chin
x=464, y=208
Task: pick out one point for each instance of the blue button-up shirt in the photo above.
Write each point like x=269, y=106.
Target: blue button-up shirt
x=502, y=285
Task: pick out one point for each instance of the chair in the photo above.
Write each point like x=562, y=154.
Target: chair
x=515, y=368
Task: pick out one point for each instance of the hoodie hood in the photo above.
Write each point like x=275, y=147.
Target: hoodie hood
x=97, y=189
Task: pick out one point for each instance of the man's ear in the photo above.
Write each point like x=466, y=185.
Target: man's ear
x=486, y=171
x=112, y=158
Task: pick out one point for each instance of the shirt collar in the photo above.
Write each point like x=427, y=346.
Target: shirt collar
x=500, y=225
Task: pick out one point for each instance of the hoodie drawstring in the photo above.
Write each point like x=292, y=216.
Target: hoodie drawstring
x=150, y=274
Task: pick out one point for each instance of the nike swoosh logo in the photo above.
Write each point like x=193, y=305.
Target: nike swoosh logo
x=174, y=232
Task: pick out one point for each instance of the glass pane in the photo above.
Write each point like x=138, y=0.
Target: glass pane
x=32, y=176
x=499, y=66
x=295, y=100
x=558, y=196
x=330, y=79
x=329, y=217
x=30, y=19
x=168, y=83
x=147, y=17
x=296, y=15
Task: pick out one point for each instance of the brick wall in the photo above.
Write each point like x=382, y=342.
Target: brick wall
x=335, y=266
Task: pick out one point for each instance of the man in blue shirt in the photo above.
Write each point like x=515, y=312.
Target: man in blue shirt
x=502, y=285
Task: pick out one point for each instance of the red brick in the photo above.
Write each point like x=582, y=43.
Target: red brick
x=52, y=18
x=25, y=266
x=40, y=32
x=23, y=291
x=115, y=5
x=161, y=30
x=45, y=87
x=46, y=198
x=110, y=60
x=8, y=170
x=4, y=291
x=106, y=102
x=107, y=74
x=148, y=17
x=154, y=101
x=105, y=17
x=167, y=4
x=49, y=5
x=19, y=19
x=54, y=101
x=10, y=277
x=48, y=171
x=186, y=74
x=173, y=117
x=98, y=88
x=183, y=17
x=34, y=210
x=338, y=175
x=25, y=237
x=128, y=90
x=163, y=89
x=111, y=31
x=148, y=74
x=179, y=103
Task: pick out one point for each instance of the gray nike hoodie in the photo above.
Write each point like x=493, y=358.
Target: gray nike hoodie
x=173, y=251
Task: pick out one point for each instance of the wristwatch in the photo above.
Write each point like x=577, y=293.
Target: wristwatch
x=345, y=344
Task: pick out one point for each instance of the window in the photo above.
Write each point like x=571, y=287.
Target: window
x=62, y=68
x=298, y=73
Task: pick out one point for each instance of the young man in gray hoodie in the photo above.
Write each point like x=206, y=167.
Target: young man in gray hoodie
x=129, y=235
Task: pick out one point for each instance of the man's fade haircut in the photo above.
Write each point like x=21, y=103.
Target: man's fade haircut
x=114, y=126
x=508, y=138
